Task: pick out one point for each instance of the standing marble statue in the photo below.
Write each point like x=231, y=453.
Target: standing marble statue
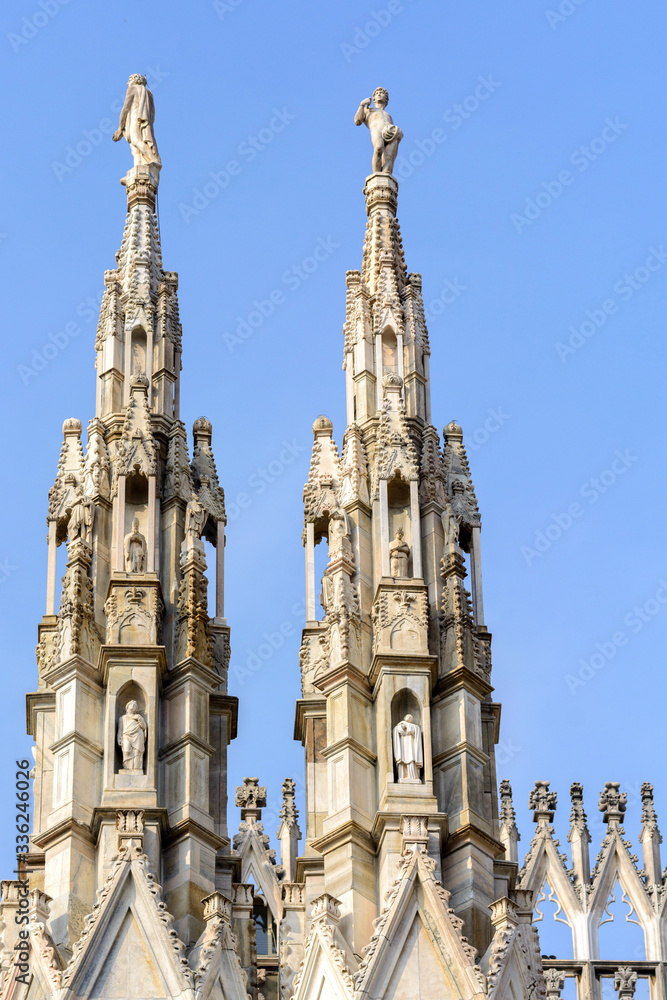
x=80, y=519
x=408, y=751
x=385, y=136
x=135, y=550
x=132, y=737
x=399, y=550
x=136, y=122
x=450, y=526
x=195, y=518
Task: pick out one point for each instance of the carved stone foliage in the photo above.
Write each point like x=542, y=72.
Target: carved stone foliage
x=413, y=311
x=313, y=657
x=320, y=494
x=395, y=454
x=460, y=489
x=250, y=797
x=459, y=643
x=204, y=472
x=542, y=802
x=613, y=803
x=625, y=982
x=354, y=469
x=400, y=620
x=78, y=632
x=136, y=448
x=431, y=473
x=97, y=473
x=134, y=614
x=177, y=474
x=193, y=626
x=358, y=321
x=69, y=478
x=555, y=981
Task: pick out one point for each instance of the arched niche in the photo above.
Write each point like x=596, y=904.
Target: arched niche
x=138, y=347
x=389, y=351
x=129, y=692
x=405, y=702
x=398, y=511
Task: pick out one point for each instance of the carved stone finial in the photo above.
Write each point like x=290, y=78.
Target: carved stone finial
x=649, y=816
x=139, y=380
x=578, y=815
x=625, y=981
x=555, y=981
x=72, y=426
x=542, y=802
x=385, y=136
x=136, y=123
x=507, y=813
x=251, y=797
x=613, y=804
x=289, y=813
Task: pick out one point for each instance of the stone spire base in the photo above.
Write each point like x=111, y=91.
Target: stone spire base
x=141, y=183
x=381, y=192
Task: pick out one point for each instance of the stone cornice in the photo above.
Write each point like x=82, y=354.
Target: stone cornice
x=465, y=834
x=187, y=739
x=308, y=708
x=349, y=832
x=402, y=663
x=460, y=748
x=344, y=673
x=74, y=667
x=80, y=740
x=460, y=678
x=191, y=828
x=492, y=710
x=37, y=701
x=190, y=669
x=308, y=865
x=120, y=655
x=60, y=832
x=349, y=743
x=225, y=704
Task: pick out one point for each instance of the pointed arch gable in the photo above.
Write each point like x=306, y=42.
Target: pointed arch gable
x=418, y=921
x=129, y=940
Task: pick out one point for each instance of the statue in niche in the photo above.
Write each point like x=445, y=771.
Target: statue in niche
x=135, y=550
x=195, y=518
x=136, y=122
x=132, y=731
x=450, y=526
x=339, y=542
x=399, y=550
x=408, y=751
x=385, y=136
x=80, y=519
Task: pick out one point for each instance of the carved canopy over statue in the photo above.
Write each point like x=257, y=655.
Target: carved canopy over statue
x=135, y=550
x=132, y=737
x=408, y=751
x=136, y=122
x=385, y=136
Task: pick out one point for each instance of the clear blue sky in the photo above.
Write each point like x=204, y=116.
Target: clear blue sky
x=544, y=208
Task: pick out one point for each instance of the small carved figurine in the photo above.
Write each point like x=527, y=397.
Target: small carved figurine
x=399, y=550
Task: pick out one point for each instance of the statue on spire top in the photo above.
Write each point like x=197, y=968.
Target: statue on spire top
x=385, y=136
x=136, y=122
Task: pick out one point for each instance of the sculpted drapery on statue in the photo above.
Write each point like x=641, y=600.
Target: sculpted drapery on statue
x=399, y=550
x=81, y=519
x=408, y=750
x=132, y=731
x=135, y=550
x=385, y=136
x=195, y=518
x=136, y=122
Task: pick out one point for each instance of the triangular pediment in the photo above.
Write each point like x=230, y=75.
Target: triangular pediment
x=258, y=867
x=128, y=949
x=328, y=965
x=418, y=940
